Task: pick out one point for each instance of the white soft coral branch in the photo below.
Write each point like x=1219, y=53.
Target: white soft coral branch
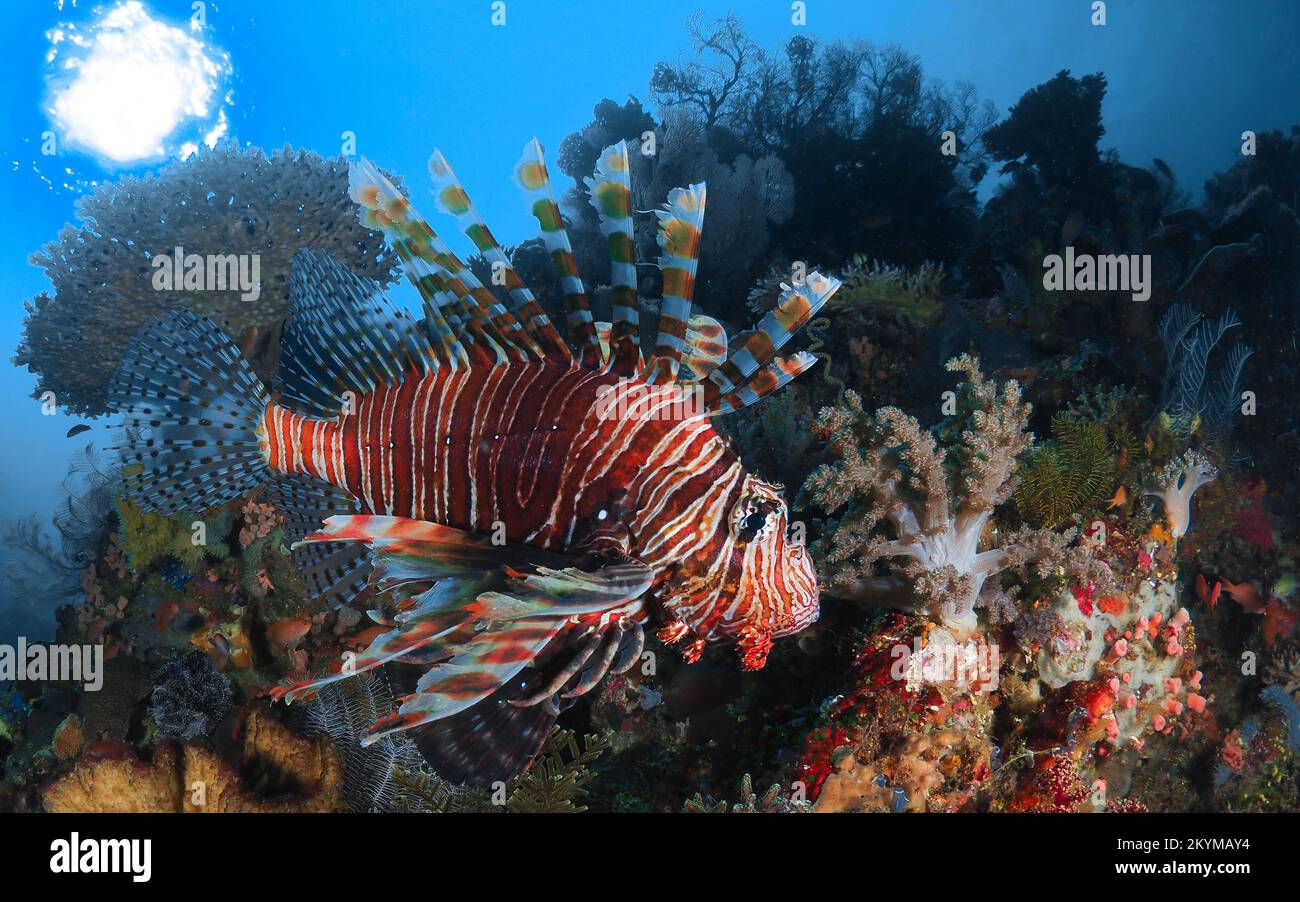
x=937, y=504
x=1178, y=482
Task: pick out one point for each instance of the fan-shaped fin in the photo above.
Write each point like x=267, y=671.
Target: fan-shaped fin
x=192, y=413
x=489, y=742
x=487, y=614
x=343, y=336
x=335, y=573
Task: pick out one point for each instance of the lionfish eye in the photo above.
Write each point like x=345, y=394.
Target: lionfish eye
x=754, y=521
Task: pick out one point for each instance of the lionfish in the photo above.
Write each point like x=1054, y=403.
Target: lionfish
x=524, y=506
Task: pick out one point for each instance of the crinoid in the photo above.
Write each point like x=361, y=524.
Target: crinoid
x=389, y=775
x=1187, y=401
x=1065, y=476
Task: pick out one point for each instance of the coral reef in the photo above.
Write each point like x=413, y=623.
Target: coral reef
x=307, y=774
x=938, y=503
x=916, y=765
x=230, y=200
x=773, y=801
x=1102, y=619
x=190, y=696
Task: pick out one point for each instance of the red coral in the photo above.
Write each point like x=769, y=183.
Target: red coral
x=1083, y=598
x=815, y=763
x=1252, y=525
x=1280, y=620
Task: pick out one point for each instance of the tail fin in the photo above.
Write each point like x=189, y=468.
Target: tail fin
x=191, y=412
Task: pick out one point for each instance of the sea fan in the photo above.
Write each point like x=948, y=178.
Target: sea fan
x=1068, y=474
x=45, y=568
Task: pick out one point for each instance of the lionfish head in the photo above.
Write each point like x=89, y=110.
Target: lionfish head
x=762, y=587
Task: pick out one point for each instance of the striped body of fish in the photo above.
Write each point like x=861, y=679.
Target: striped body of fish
x=521, y=508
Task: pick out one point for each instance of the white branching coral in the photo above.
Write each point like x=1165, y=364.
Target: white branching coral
x=1177, y=482
x=925, y=510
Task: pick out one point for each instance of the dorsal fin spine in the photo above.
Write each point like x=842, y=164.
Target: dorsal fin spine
x=610, y=189
x=452, y=199
x=762, y=383
x=797, y=305
x=531, y=174
x=681, y=223
x=433, y=269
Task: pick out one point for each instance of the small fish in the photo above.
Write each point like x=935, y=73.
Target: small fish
x=164, y=616
x=1118, y=499
x=287, y=633
x=1246, y=595
x=366, y=636
x=1202, y=589
x=220, y=643
x=78, y=429
x=248, y=344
